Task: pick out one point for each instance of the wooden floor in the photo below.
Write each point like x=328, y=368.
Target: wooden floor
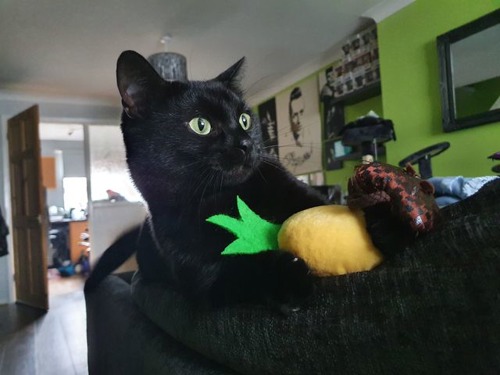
x=52, y=343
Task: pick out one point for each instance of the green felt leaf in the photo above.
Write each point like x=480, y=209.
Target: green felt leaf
x=253, y=234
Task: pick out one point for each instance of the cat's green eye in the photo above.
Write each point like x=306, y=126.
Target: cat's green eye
x=245, y=121
x=200, y=125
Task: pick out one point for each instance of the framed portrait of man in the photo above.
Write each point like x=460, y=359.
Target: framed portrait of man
x=299, y=127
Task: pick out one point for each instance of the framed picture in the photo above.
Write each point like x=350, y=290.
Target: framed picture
x=299, y=127
x=359, y=65
x=335, y=153
x=332, y=114
x=268, y=123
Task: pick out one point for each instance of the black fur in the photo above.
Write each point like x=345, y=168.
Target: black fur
x=114, y=256
x=387, y=231
x=186, y=177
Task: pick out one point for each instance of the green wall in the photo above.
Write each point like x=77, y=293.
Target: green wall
x=410, y=91
x=410, y=86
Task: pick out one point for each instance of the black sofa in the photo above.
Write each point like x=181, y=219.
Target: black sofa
x=432, y=309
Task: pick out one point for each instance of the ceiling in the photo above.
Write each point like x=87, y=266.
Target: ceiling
x=69, y=48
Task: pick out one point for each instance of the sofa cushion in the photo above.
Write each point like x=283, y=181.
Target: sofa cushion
x=433, y=308
x=122, y=341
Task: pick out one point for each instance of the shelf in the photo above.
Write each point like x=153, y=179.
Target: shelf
x=356, y=155
x=357, y=96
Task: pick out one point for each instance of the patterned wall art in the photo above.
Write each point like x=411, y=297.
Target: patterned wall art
x=360, y=65
x=269, y=125
x=299, y=127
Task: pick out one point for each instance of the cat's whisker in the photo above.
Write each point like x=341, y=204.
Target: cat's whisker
x=285, y=130
x=207, y=184
x=270, y=162
x=203, y=177
x=304, y=144
x=221, y=186
x=221, y=182
x=304, y=148
x=292, y=143
x=260, y=172
x=189, y=165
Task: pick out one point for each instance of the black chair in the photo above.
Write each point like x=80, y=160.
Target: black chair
x=423, y=158
x=369, y=133
x=495, y=156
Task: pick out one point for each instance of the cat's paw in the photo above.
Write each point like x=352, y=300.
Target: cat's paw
x=388, y=233
x=291, y=282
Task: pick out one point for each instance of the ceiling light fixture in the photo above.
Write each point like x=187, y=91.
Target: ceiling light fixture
x=170, y=65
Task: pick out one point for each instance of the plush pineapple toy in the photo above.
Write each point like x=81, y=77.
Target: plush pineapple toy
x=331, y=239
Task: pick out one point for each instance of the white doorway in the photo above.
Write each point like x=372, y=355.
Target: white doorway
x=65, y=179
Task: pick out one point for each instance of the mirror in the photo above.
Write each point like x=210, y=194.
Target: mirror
x=470, y=73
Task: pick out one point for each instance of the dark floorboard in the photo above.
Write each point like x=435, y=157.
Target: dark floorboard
x=52, y=343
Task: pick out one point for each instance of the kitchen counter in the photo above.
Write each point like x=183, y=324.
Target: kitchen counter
x=65, y=220
x=73, y=229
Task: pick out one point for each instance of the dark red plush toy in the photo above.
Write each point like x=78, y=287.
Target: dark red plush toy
x=411, y=198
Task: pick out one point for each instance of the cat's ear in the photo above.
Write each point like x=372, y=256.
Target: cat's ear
x=137, y=82
x=232, y=76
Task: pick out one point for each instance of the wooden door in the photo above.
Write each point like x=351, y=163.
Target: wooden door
x=29, y=215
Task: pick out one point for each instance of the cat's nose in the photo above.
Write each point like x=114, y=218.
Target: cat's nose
x=235, y=155
x=244, y=145
x=239, y=153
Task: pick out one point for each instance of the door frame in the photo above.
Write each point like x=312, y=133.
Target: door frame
x=53, y=110
x=29, y=222
x=8, y=260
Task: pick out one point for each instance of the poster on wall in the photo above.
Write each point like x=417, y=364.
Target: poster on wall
x=267, y=117
x=332, y=114
x=360, y=63
x=299, y=127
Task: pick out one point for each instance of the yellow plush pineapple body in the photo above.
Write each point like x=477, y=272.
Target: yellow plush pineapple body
x=331, y=239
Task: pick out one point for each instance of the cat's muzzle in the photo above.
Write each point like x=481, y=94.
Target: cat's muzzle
x=237, y=163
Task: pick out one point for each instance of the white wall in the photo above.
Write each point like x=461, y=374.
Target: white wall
x=110, y=221
x=73, y=165
x=73, y=155
x=51, y=110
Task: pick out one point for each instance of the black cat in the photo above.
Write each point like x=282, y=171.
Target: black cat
x=192, y=147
